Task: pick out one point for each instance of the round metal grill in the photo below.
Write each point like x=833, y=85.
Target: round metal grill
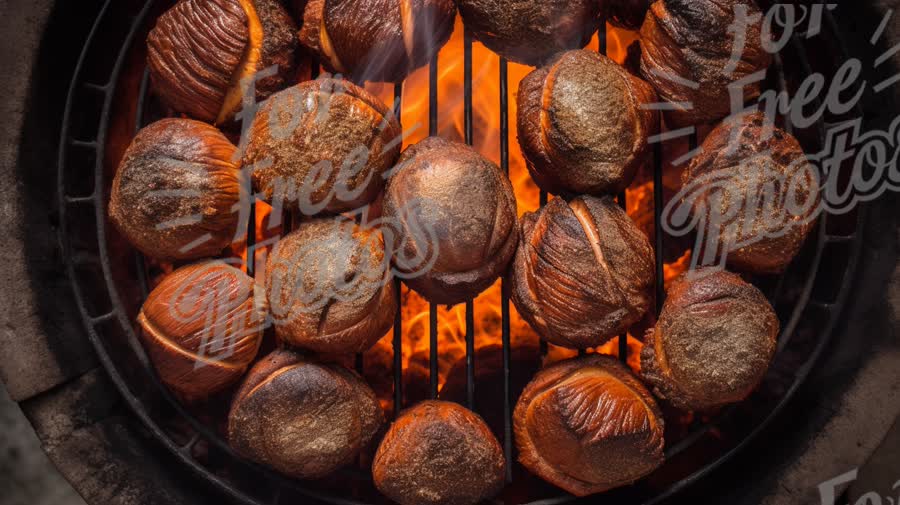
x=106, y=105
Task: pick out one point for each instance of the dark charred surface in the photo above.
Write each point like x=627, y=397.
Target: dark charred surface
x=588, y=425
x=761, y=170
x=322, y=146
x=628, y=14
x=530, y=32
x=583, y=273
x=582, y=125
x=176, y=186
x=329, y=289
x=713, y=342
x=302, y=418
x=439, y=453
x=448, y=201
x=686, y=51
x=375, y=40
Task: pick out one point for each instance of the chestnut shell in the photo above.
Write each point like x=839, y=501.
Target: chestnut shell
x=322, y=146
x=582, y=124
x=713, y=342
x=329, y=288
x=375, y=40
x=583, y=273
x=530, y=32
x=449, y=205
x=439, y=453
x=202, y=327
x=744, y=159
x=197, y=49
x=687, y=48
x=174, y=191
x=303, y=418
x=588, y=425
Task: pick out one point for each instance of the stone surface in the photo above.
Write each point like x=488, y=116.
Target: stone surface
x=26, y=475
x=39, y=325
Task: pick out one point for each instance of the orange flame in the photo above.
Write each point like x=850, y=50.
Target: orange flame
x=486, y=140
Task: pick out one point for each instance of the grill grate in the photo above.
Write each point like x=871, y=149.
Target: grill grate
x=106, y=327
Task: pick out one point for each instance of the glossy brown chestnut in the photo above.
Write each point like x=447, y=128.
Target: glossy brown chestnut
x=202, y=327
x=583, y=272
x=439, y=453
x=380, y=40
x=203, y=54
x=689, y=56
x=328, y=284
x=303, y=418
x=530, y=32
x=583, y=124
x=453, y=214
x=175, y=189
x=713, y=342
x=322, y=145
x=754, y=193
x=588, y=425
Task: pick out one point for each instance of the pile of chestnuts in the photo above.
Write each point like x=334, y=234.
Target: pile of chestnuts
x=579, y=270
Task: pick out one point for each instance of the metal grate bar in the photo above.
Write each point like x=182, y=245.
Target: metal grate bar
x=470, y=305
x=398, y=287
x=504, y=302
x=432, y=307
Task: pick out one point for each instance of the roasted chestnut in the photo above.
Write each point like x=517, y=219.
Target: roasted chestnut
x=452, y=215
x=753, y=194
x=202, y=327
x=583, y=124
x=203, y=54
x=713, y=342
x=322, y=145
x=384, y=40
x=328, y=285
x=692, y=56
x=174, y=193
x=588, y=425
x=303, y=418
x=583, y=273
x=530, y=32
x=439, y=453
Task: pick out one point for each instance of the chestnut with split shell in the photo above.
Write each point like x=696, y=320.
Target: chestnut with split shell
x=204, y=55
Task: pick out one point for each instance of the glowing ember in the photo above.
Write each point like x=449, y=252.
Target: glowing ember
x=451, y=328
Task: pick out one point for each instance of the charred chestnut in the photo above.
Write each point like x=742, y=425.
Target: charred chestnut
x=713, y=342
x=689, y=56
x=439, y=453
x=530, y=32
x=203, y=54
x=754, y=193
x=202, y=327
x=583, y=273
x=583, y=124
x=588, y=425
x=322, y=145
x=174, y=193
x=383, y=40
x=302, y=418
x=452, y=214
x=329, y=287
